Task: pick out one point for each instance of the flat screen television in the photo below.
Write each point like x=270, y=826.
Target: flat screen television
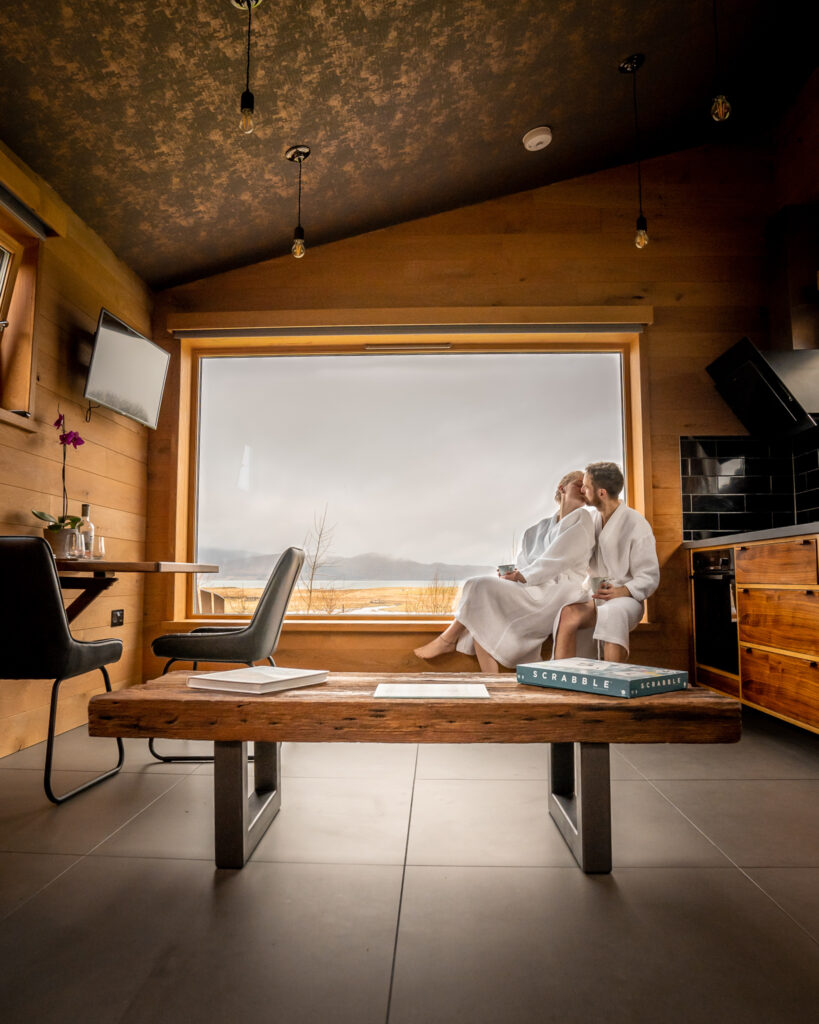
x=127, y=371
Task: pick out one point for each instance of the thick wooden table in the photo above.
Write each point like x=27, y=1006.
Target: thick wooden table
x=579, y=726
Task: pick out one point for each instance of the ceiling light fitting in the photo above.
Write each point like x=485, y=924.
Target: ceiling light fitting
x=247, y=105
x=630, y=66
x=720, y=107
x=537, y=138
x=297, y=155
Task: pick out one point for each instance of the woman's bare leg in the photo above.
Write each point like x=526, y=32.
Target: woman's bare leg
x=444, y=643
x=572, y=618
x=614, y=652
x=485, y=660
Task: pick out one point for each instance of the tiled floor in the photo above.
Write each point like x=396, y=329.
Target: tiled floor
x=416, y=884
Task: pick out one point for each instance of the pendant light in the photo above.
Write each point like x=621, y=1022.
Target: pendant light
x=720, y=107
x=297, y=155
x=630, y=66
x=247, y=104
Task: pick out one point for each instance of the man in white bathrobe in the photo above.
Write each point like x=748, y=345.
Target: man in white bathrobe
x=625, y=556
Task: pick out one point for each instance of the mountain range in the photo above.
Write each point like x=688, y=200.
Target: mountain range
x=370, y=566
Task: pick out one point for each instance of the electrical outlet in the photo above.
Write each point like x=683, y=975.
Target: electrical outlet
x=117, y=617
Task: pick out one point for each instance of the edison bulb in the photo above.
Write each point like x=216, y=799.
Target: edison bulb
x=720, y=108
x=247, y=122
x=641, y=235
x=298, y=248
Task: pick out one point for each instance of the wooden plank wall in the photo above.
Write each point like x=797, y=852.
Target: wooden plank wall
x=561, y=245
x=77, y=275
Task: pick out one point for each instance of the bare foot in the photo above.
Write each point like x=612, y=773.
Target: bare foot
x=435, y=648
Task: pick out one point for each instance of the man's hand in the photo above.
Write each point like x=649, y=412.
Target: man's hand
x=607, y=592
x=514, y=576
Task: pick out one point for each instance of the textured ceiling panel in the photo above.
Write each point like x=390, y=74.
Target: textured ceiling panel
x=411, y=107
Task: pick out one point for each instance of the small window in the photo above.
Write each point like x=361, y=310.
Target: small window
x=18, y=274
x=10, y=253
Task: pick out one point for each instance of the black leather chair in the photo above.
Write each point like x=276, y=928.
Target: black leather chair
x=243, y=645
x=35, y=639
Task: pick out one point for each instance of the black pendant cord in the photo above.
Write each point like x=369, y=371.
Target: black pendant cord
x=249, y=25
x=716, y=46
x=637, y=144
x=299, y=217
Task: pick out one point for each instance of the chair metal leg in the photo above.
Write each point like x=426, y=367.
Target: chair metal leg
x=184, y=758
x=52, y=724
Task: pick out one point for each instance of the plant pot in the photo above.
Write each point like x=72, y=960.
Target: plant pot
x=59, y=540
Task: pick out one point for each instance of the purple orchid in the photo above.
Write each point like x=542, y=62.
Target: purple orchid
x=66, y=438
x=71, y=437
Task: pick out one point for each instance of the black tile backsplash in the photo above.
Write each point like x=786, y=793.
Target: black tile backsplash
x=739, y=484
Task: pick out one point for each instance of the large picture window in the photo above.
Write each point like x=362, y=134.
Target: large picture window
x=400, y=474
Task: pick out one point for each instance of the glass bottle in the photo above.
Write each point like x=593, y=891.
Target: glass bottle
x=86, y=532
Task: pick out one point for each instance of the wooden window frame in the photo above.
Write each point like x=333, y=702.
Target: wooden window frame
x=623, y=338
x=17, y=295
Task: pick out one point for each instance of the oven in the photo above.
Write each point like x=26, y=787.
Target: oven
x=716, y=641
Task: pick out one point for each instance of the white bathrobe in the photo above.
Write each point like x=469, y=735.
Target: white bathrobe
x=511, y=620
x=626, y=552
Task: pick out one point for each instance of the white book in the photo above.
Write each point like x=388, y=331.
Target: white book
x=257, y=679
x=427, y=690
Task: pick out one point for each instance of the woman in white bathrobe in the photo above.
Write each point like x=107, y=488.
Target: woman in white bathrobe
x=504, y=620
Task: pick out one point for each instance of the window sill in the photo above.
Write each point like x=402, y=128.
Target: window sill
x=336, y=625
x=15, y=419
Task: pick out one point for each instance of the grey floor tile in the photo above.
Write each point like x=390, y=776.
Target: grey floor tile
x=457, y=821
x=483, y=761
x=128, y=941
x=344, y=761
x=647, y=831
x=497, y=761
x=341, y=821
x=349, y=760
x=756, y=823
x=76, y=751
x=321, y=820
x=542, y=945
x=24, y=874
x=769, y=749
x=178, y=826
x=796, y=890
x=29, y=823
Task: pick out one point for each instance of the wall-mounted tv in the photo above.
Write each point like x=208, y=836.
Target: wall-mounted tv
x=127, y=371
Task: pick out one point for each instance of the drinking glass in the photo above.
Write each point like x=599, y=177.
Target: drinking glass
x=98, y=547
x=75, y=547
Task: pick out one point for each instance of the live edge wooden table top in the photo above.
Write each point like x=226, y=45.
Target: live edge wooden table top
x=343, y=709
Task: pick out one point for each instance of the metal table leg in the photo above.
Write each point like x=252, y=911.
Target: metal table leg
x=241, y=817
x=580, y=802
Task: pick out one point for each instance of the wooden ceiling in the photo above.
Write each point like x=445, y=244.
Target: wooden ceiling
x=411, y=107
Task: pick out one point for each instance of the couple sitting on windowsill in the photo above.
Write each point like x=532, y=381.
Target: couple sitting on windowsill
x=504, y=620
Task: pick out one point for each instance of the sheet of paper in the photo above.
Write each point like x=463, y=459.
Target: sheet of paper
x=427, y=690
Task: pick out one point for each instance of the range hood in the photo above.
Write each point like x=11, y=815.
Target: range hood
x=773, y=394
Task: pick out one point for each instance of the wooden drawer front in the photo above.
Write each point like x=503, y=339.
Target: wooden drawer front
x=725, y=684
x=792, y=561
x=788, y=686
x=788, y=619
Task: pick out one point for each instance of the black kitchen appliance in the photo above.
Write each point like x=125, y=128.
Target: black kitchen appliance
x=716, y=642
x=773, y=394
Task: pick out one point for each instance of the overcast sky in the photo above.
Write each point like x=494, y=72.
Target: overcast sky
x=430, y=457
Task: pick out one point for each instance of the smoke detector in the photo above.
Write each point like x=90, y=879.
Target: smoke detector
x=537, y=138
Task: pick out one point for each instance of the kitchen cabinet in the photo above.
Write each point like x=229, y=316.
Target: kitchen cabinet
x=776, y=627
